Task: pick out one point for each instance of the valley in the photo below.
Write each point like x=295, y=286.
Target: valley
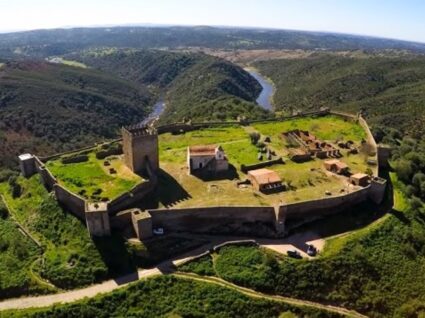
x=219, y=104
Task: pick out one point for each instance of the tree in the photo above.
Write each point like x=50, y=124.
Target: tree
x=255, y=137
x=403, y=169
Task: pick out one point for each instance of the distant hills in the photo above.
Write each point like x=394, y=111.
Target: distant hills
x=47, y=107
x=42, y=43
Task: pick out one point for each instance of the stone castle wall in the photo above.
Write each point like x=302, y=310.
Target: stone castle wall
x=46, y=176
x=323, y=206
x=212, y=219
x=71, y=201
x=207, y=219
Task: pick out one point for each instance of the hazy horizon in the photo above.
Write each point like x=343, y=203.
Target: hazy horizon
x=154, y=25
x=389, y=19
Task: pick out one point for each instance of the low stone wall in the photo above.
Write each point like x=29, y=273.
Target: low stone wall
x=212, y=219
x=246, y=168
x=183, y=127
x=60, y=154
x=131, y=197
x=136, y=194
x=344, y=115
x=71, y=201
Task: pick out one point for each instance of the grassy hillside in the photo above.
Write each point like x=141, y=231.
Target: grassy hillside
x=42, y=43
x=171, y=297
x=17, y=254
x=70, y=258
x=391, y=90
x=198, y=86
x=50, y=107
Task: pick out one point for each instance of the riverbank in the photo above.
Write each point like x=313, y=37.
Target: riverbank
x=265, y=99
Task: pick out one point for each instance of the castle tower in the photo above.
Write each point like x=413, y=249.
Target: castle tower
x=140, y=144
x=97, y=219
x=377, y=189
x=27, y=165
x=384, y=155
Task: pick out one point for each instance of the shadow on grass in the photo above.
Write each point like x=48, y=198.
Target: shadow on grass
x=353, y=218
x=123, y=260
x=169, y=190
x=230, y=174
x=116, y=256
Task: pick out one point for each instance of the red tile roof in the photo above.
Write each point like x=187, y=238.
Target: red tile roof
x=359, y=175
x=264, y=176
x=208, y=150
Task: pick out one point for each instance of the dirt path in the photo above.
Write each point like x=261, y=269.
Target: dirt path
x=165, y=267
x=104, y=287
x=253, y=293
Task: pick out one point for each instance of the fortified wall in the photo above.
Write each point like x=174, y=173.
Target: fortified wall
x=141, y=147
x=141, y=154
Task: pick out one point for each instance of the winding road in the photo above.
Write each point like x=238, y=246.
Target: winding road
x=168, y=267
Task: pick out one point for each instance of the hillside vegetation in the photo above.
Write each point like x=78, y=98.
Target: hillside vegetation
x=68, y=258
x=391, y=90
x=378, y=270
x=42, y=43
x=198, y=87
x=17, y=253
x=168, y=296
x=49, y=107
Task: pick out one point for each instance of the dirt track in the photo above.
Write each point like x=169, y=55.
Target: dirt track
x=296, y=241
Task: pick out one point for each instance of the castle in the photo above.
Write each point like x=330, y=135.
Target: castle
x=140, y=148
x=141, y=156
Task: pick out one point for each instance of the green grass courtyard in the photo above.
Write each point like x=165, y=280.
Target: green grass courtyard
x=306, y=181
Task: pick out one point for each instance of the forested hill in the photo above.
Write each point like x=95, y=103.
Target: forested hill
x=49, y=107
x=198, y=86
x=391, y=90
x=152, y=67
x=43, y=43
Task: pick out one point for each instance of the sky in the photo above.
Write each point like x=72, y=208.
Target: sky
x=398, y=19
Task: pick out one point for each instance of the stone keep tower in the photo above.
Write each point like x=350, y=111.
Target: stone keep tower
x=140, y=144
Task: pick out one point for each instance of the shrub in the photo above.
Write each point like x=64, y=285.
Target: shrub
x=75, y=159
x=6, y=174
x=113, y=149
x=255, y=137
x=4, y=213
x=15, y=187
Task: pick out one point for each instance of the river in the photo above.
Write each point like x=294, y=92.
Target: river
x=265, y=97
x=157, y=110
